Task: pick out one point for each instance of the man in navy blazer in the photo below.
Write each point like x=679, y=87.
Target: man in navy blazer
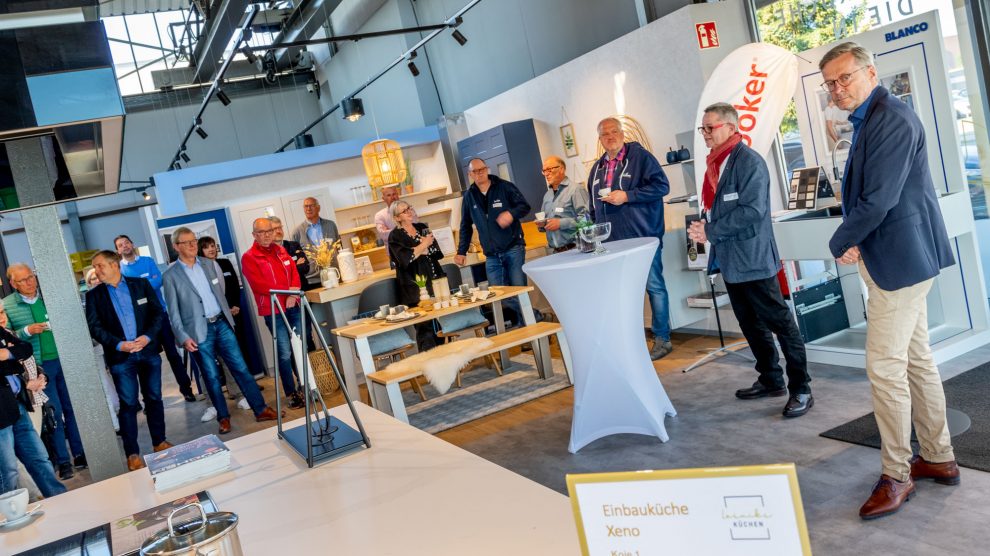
x=736, y=200
x=125, y=317
x=893, y=229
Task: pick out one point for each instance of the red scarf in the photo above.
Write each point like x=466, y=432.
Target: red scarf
x=714, y=160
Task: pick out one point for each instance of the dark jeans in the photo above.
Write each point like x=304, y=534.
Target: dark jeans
x=144, y=369
x=167, y=339
x=21, y=442
x=221, y=341
x=286, y=364
x=505, y=269
x=65, y=417
x=761, y=311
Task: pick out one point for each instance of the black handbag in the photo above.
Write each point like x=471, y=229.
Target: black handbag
x=48, y=422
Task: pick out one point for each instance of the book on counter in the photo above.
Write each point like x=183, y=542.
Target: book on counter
x=188, y=462
x=128, y=533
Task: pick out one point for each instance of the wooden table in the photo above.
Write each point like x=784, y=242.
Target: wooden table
x=409, y=494
x=357, y=334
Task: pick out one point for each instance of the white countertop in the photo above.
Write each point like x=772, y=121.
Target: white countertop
x=411, y=493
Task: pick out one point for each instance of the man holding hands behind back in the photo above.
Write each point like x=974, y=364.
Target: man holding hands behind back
x=736, y=200
x=892, y=228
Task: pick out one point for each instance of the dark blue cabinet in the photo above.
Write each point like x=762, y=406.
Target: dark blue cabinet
x=511, y=152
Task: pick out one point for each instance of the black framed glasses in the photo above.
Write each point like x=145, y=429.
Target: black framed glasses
x=844, y=80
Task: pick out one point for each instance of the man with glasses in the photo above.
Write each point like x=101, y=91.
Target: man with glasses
x=892, y=228
x=495, y=206
x=311, y=232
x=735, y=198
x=267, y=266
x=203, y=324
x=563, y=205
x=29, y=320
x=627, y=186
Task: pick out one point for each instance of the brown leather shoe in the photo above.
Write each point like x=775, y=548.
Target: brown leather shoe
x=134, y=462
x=224, y=425
x=946, y=473
x=165, y=445
x=887, y=498
x=267, y=414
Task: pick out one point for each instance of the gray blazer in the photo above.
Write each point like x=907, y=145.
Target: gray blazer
x=185, y=308
x=299, y=236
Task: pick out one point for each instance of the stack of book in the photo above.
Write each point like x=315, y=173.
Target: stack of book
x=189, y=462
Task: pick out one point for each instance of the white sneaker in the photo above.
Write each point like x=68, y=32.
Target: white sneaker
x=243, y=404
x=209, y=415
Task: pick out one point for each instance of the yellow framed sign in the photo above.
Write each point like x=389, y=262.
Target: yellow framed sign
x=751, y=510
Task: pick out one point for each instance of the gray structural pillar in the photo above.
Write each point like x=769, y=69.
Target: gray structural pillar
x=33, y=166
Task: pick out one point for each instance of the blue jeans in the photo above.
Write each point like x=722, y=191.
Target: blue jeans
x=656, y=289
x=505, y=269
x=284, y=355
x=221, y=341
x=142, y=370
x=21, y=441
x=65, y=417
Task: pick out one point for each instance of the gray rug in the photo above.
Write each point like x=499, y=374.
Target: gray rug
x=483, y=393
x=967, y=393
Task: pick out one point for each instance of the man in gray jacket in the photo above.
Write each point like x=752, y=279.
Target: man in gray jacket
x=311, y=232
x=736, y=200
x=563, y=205
x=203, y=326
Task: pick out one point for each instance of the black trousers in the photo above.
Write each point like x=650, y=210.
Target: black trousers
x=762, y=313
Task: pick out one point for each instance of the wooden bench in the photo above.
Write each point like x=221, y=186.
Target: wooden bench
x=384, y=385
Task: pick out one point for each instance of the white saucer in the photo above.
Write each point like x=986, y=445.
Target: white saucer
x=31, y=511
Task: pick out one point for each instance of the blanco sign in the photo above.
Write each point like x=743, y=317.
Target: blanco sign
x=727, y=511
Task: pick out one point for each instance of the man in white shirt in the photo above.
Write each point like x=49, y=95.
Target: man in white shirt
x=383, y=218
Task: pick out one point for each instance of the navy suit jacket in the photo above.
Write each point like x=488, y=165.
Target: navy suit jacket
x=891, y=211
x=739, y=226
x=105, y=327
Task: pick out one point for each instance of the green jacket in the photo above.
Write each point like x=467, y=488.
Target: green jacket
x=19, y=314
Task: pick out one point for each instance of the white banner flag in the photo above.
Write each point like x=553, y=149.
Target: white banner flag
x=759, y=80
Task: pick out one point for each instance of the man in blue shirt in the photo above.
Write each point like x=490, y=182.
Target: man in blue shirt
x=309, y=233
x=136, y=266
x=892, y=228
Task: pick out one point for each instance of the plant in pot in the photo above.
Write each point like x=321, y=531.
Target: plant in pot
x=322, y=255
x=583, y=223
x=424, y=295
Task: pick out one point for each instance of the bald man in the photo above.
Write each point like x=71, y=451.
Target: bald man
x=563, y=205
x=311, y=232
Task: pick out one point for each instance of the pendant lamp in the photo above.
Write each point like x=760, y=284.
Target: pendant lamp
x=383, y=162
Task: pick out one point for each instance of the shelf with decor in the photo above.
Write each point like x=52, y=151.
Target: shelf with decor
x=403, y=196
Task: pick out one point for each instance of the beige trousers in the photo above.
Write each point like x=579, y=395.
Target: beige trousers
x=904, y=378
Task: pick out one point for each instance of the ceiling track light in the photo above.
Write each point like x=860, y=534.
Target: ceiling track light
x=459, y=37
x=146, y=195
x=251, y=58
x=223, y=97
x=185, y=157
x=201, y=132
x=413, y=69
x=353, y=108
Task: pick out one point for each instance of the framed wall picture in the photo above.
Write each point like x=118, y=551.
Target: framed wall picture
x=568, y=140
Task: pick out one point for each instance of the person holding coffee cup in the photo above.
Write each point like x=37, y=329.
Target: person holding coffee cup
x=563, y=205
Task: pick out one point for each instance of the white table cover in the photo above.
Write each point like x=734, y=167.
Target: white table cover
x=599, y=301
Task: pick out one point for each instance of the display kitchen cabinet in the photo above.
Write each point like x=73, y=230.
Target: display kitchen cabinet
x=512, y=153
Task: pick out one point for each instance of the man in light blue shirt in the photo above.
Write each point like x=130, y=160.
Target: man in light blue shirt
x=202, y=324
x=563, y=205
x=310, y=233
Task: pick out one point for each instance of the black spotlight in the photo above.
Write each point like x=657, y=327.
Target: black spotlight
x=251, y=58
x=413, y=69
x=185, y=157
x=201, y=132
x=223, y=97
x=459, y=37
x=353, y=108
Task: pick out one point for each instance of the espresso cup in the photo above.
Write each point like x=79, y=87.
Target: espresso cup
x=465, y=289
x=541, y=216
x=13, y=505
x=604, y=192
x=383, y=310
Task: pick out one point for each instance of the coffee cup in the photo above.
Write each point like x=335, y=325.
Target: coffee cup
x=604, y=192
x=383, y=310
x=465, y=289
x=483, y=287
x=13, y=505
x=541, y=216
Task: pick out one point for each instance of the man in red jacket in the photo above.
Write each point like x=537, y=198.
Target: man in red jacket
x=268, y=266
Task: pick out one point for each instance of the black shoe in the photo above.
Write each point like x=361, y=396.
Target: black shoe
x=798, y=405
x=65, y=471
x=189, y=397
x=296, y=401
x=525, y=347
x=758, y=390
x=80, y=462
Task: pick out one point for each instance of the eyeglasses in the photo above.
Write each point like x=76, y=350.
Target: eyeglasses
x=187, y=242
x=845, y=79
x=311, y=206
x=710, y=128
x=276, y=228
x=482, y=170
x=28, y=278
x=264, y=232
x=551, y=169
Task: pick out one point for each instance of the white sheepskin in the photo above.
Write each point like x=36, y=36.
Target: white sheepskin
x=441, y=364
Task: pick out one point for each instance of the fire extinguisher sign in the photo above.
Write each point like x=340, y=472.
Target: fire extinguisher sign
x=707, y=35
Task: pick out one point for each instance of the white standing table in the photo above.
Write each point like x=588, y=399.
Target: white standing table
x=599, y=301
x=409, y=494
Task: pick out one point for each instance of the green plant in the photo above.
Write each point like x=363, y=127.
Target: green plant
x=420, y=280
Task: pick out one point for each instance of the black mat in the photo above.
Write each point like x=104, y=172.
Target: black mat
x=969, y=393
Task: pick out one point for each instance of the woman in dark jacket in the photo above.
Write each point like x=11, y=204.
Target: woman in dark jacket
x=18, y=439
x=413, y=251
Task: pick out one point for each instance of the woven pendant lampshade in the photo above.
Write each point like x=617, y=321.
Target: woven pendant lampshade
x=383, y=162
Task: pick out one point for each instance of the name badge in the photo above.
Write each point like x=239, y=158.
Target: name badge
x=286, y=263
x=142, y=301
x=145, y=275
x=497, y=204
x=226, y=274
x=559, y=210
x=595, y=182
x=626, y=175
x=730, y=197
x=215, y=281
